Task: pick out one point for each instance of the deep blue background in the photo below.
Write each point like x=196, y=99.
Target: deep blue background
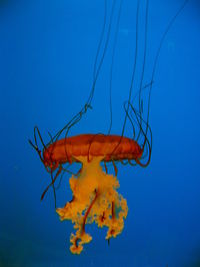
x=47, y=51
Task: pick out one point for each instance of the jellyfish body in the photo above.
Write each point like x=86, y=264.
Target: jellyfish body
x=95, y=198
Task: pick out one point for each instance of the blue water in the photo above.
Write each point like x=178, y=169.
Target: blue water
x=47, y=52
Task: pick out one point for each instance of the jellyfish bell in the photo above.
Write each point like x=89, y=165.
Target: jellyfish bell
x=108, y=147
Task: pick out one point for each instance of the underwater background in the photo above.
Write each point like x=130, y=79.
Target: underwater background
x=47, y=53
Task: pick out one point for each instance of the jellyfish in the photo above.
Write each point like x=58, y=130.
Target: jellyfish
x=95, y=198
x=94, y=191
